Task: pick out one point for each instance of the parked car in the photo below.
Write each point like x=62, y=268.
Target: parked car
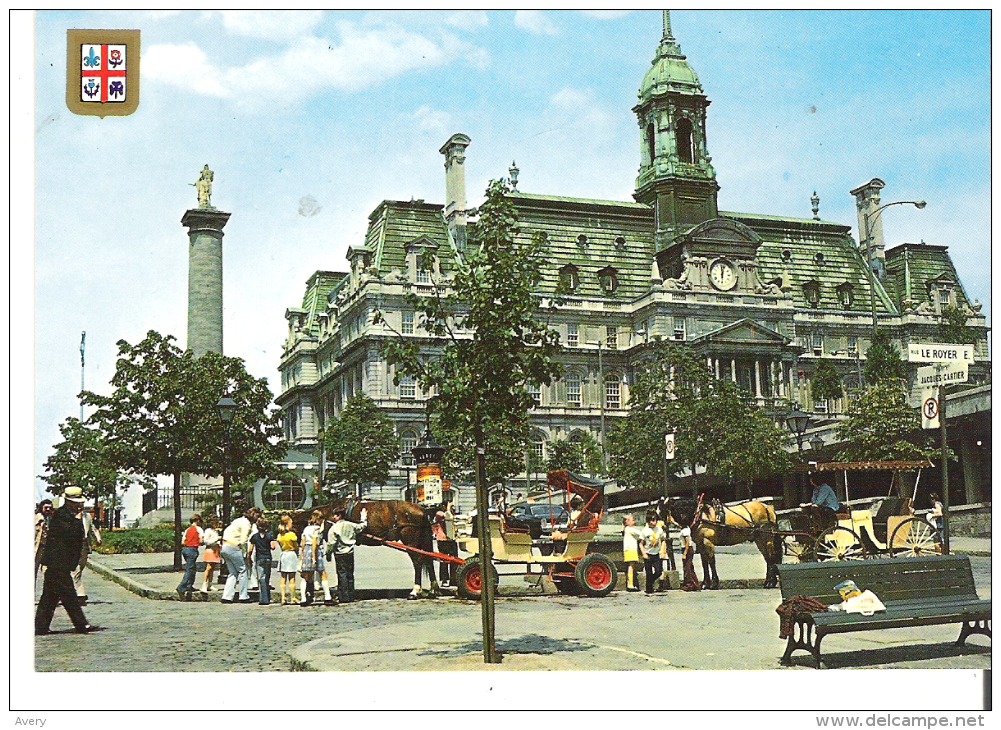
x=538, y=517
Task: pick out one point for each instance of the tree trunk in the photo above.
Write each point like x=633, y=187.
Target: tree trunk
x=177, y=520
x=485, y=552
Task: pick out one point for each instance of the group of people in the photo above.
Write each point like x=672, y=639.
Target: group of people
x=249, y=541
x=649, y=548
x=62, y=545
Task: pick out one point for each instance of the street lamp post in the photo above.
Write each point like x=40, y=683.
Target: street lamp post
x=867, y=220
x=797, y=422
x=226, y=408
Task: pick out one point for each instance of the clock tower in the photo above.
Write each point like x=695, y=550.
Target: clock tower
x=676, y=176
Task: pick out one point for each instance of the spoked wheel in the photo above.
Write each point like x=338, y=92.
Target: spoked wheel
x=839, y=543
x=914, y=538
x=469, y=579
x=798, y=549
x=596, y=575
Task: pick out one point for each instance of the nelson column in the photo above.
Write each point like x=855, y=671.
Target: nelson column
x=204, y=224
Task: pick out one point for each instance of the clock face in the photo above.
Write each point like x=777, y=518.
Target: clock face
x=722, y=274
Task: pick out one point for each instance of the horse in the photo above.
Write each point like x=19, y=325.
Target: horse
x=717, y=524
x=393, y=520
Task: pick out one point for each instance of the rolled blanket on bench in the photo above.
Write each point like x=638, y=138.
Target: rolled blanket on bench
x=790, y=608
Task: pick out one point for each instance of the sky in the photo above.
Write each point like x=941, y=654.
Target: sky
x=310, y=119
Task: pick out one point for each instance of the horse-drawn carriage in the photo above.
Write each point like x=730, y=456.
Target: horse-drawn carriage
x=562, y=555
x=886, y=527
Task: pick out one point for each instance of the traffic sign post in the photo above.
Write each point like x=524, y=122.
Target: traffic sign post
x=930, y=409
x=669, y=446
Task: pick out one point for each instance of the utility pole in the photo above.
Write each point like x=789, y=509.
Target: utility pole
x=944, y=442
x=83, y=344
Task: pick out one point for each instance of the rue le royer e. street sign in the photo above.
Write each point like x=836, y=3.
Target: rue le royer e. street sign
x=934, y=352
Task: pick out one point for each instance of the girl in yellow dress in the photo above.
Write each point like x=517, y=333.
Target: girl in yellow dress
x=288, y=562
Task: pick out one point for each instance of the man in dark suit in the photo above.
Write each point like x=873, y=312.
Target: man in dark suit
x=62, y=554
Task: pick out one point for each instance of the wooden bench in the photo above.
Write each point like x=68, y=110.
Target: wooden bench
x=916, y=592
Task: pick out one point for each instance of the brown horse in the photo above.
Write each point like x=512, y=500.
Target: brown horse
x=717, y=525
x=392, y=520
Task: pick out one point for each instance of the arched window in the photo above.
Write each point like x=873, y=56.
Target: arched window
x=686, y=142
x=572, y=381
x=408, y=440
x=608, y=277
x=651, y=143
x=613, y=392
x=539, y=447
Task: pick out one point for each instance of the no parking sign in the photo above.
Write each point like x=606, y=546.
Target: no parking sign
x=669, y=446
x=929, y=409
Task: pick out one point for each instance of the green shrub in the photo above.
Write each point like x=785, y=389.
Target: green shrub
x=138, y=540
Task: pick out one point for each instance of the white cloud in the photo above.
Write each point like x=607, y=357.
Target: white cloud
x=468, y=19
x=278, y=25
x=433, y=120
x=606, y=14
x=535, y=21
x=580, y=109
x=362, y=58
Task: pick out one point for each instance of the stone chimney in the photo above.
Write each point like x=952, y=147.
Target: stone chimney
x=871, y=226
x=455, y=187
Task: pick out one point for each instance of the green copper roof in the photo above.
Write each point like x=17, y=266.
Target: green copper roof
x=911, y=266
x=670, y=70
x=396, y=224
x=314, y=301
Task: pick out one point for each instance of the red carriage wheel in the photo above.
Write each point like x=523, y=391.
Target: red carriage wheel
x=596, y=574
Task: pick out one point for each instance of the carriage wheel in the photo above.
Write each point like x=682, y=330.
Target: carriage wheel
x=914, y=538
x=839, y=543
x=797, y=551
x=596, y=575
x=469, y=579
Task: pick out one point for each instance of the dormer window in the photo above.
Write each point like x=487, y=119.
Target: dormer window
x=811, y=290
x=846, y=295
x=608, y=277
x=620, y=242
x=582, y=240
x=819, y=259
x=786, y=256
x=686, y=140
x=569, y=278
x=423, y=276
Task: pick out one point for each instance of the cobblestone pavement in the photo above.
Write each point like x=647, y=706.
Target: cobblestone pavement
x=730, y=629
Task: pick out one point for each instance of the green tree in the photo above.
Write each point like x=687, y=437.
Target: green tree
x=826, y=384
x=161, y=417
x=82, y=460
x=714, y=424
x=953, y=328
x=493, y=346
x=881, y=426
x=882, y=361
x=583, y=456
x=361, y=444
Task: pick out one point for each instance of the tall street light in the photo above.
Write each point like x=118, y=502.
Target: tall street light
x=867, y=220
x=226, y=407
x=797, y=421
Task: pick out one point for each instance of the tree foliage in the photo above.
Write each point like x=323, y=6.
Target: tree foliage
x=953, y=328
x=714, y=424
x=826, y=383
x=881, y=426
x=361, y=444
x=582, y=457
x=491, y=344
x=882, y=361
x=161, y=416
x=82, y=460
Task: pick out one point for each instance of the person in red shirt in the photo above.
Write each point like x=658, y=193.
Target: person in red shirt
x=194, y=536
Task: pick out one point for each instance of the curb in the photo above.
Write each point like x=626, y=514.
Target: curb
x=131, y=585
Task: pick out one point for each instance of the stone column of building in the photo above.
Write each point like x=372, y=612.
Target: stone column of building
x=454, y=151
x=204, y=279
x=873, y=247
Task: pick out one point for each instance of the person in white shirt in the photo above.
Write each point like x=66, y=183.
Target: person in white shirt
x=311, y=560
x=631, y=537
x=342, y=538
x=234, y=546
x=651, y=538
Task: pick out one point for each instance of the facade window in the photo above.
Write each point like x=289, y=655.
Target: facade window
x=651, y=143
x=612, y=337
x=569, y=278
x=292, y=422
x=539, y=448
x=853, y=344
x=609, y=279
x=573, y=335
x=423, y=276
x=408, y=323
x=536, y=392
x=846, y=295
x=613, y=394
x=811, y=290
x=686, y=141
x=408, y=440
x=945, y=299
x=817, y=343
x=679, y=328
x=408, y=387
x=573, y=390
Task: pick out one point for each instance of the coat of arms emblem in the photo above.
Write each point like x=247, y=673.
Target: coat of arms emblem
x=102, y=72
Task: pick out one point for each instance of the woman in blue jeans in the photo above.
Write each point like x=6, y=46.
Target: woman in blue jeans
x=261, y=545
x=193, y=537
x=234, y=541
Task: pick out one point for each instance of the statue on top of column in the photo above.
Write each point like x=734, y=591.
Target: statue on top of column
x=204, y=187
